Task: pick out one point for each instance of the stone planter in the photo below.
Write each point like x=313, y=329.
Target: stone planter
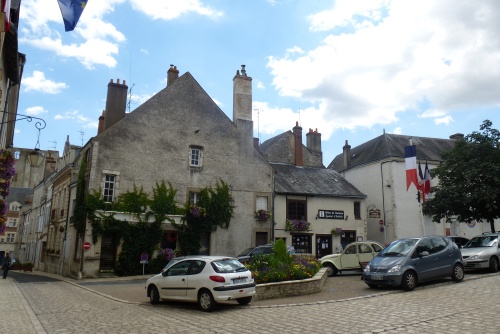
x=292, y=288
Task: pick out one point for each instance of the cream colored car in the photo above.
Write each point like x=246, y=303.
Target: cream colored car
x=352, y=257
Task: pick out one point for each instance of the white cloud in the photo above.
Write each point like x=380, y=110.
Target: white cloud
x=35, y=111
x=259, y=84
x=397, y=130
x=396, y=55
x=72, y=115
x=443, y=120
x=144, y=52
x=172, y=9
x=38, y=82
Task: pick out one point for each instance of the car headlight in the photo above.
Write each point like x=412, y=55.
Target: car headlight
x=474, y=257
x=367, y=268
x=394, y=269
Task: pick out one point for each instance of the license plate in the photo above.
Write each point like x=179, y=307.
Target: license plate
x=239, y=280
x=377, y=277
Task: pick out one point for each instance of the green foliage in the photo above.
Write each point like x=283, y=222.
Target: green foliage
x=212, y=211
x=80, y=212
x=270, y=268
x=469, y=180
x=163, y=202
x=134, y=202
x=281, y=253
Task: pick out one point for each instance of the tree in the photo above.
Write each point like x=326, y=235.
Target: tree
x=469, y=179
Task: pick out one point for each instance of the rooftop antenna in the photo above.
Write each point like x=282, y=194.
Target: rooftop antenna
x=55, y=145
x=299, y=118
x=129, y=97
x=258, y=122
x=81, y=135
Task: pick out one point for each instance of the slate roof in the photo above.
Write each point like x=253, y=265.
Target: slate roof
x=392, y=146
x=310, y=181
x=20, y=195
x=271, y=141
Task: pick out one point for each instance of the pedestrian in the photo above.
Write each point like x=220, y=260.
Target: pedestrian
x=6, y=265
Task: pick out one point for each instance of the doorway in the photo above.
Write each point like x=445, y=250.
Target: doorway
x=347, y=237
x=323, y=245
x=108, y=252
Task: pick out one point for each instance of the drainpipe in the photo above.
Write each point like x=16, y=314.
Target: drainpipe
x=383, y=202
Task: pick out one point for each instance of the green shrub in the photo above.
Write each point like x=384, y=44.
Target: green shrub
x=281, y=267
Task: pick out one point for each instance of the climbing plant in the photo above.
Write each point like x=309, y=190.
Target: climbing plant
x=212, y=211
x=80, y=210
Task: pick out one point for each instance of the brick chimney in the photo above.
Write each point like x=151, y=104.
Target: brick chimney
x=297, y=133
x=116, y=103
x=256, y=142
x=313, y=140
x=347, y=154
x=100, y=127
x=172, y=74
x=242, y=96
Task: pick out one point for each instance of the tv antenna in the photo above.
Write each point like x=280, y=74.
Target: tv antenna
x=258, y=122
x=130, y=97
x=55, y=144
x=81, y=135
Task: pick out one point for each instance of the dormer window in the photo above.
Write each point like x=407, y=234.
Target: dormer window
x=195, y=156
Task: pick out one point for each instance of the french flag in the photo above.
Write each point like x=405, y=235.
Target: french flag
x=6, y=9
x=427, y=182
x=411, y=166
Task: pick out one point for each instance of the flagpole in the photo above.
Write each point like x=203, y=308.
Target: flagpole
x=422, y=218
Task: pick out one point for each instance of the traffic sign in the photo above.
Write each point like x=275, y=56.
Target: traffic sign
x=86, y=245
x=144, y=256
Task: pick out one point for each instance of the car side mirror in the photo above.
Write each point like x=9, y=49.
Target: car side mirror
x=164, y=274
x=424, y=253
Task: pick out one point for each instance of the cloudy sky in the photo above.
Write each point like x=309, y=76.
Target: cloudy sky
x=351, y=69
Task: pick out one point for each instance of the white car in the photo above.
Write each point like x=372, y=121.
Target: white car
x=482, y=252
x=205, y=280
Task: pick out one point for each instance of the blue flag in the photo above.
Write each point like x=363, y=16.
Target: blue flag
x=71, y=11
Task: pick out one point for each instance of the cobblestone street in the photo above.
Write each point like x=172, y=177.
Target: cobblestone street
x=61, y=307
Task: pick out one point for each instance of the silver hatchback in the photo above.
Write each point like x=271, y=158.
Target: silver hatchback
x=407, y=262
x=482, y=252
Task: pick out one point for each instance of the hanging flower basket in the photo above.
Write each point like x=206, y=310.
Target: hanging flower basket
x=7, y=171
x=262, y=216
x=336, y=231
x=297, y=225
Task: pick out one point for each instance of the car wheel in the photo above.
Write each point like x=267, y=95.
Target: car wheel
x=493, y=265
x=458, y=273
x=372, y=286
x=244, y=300
x=331, y=270
x=206, y=301
x=409, y=281
x=154, y=295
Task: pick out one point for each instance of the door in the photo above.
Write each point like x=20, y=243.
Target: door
x=366, y=253
x=350, y=257
x=174, y=281
x=323, y=245
x=424, y=263
x=347, y=237
x=108, y=252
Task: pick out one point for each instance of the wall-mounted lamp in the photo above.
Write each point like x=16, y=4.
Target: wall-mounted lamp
x=35, y=158
x=346, y=217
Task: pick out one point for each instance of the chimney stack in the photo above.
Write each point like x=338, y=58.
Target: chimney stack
x=457, y=136
x=100, y=127
x=242, y=96
x=297, y=133
x=256, y=143
x=172, y=74
x=116, y=103
x=313, y=140
x=347, y=154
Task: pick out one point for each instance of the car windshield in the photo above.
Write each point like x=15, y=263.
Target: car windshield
x=399, y=248
x=481, y=241
x=228, y=266
x=246, y=252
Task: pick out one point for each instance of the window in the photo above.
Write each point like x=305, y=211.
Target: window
x=10, y=237
x=352, y=249
x=296, y=209
x=357, y=210
x=302, y=243
x=12, y=222
x=17, y=154
x=109, y=188
x=261, y=203
x=194, y=198
x=195, y=156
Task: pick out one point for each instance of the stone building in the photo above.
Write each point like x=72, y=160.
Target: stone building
x=180, y=136
x=307, y=192
x=377, y=168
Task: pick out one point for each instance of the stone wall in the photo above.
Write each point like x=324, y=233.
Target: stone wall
x=292, y=288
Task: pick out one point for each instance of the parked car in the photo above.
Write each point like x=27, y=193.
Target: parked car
x=482, y=252
x=175, y=260
x=460, y=241
x=352, y=257
x=205, y=280
x=247, y=254
x=408, y=262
